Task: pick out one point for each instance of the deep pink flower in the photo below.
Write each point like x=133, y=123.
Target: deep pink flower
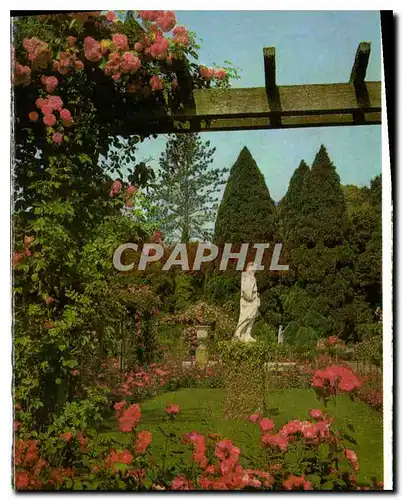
x=297, y=483
x=206, y=73
x=55, y=102
x=220, y=73
x=33, y=116
x=352, y=458
x=254, y=417
x=172, y=409
x=47, y=109
x=66, y=436
x=275, y=441
x=156, y=83
x=51, y=83
x=181, y=483
x=131, y=190
x=180, y=35
x=266, y=424
x=120, y=41
x=159, y=49
x=149, y=15
x=49, y=120
x=57, y=137
x=129, y=63
x=71, y=40
x=40, y=102
x=66, y=117
x=166, y=20
x=92, y=49
x=316, y=414
x=79, y=65
x=110, y=16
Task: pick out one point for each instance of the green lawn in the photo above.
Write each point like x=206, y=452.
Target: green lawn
x=201, y=411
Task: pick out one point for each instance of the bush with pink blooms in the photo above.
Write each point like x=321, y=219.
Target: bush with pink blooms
x=299, y=455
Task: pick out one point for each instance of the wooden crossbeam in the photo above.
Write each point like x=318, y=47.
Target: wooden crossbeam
x=356, y=102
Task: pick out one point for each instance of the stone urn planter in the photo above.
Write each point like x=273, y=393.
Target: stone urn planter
x=202, y=332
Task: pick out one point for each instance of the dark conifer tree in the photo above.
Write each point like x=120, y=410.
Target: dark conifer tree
x=246, y=212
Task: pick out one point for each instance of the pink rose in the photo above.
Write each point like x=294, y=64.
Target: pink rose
x=57, y=137
x=49, y=120
x=156, y=83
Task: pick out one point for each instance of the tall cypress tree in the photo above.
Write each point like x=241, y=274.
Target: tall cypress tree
x=290, y=210
x=246, y=212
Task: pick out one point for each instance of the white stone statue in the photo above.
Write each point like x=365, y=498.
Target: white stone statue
x=250, y=303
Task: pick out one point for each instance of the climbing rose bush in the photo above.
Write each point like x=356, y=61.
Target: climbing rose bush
x=138, y=56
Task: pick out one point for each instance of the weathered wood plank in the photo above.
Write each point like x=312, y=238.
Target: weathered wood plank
x=318, y=105
x=360, y=65
x=294, y=100
x=228, y=124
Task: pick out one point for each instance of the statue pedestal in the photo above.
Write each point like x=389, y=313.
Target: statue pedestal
x=201, y=349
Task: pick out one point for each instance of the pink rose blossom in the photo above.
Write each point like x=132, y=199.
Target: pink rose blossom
x=120, y=41
x=92, y=49
x=180, y=35
x=57, y=137
x=156, y=83
x=33, y=116
x=166, y=21
x=206, y=73
x=55, y=102
x=220, y=73
x=266, y=425
x=71, y=40
x=51, y=83
x=49, y=120
x=254, y=417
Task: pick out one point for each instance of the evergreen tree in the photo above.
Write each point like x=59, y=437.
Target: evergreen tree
x=246, y=212
x=186, y=188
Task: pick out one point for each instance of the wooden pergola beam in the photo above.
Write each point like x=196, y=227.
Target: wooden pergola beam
x=356, y=102
x=269, y=57
x=360, y=65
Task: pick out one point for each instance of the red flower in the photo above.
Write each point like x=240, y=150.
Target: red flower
x=266, y=425
x=172, y=409
x=206, y=73
x=120, y=41
x=181, y=483
x=129, y=418
x=57, y=137
x=144, y=439
x=66, y=436
x=220, y=73
x=17, y=257
x=156, y=83
x=28, y=240
x=297, y=483
x=21, y=480
x=49, y=300
x=49, y=120
x=352, y=458
x=316, y=414
x=254, y=417
x=33, y=116
x=166, y=20
x=275, y=441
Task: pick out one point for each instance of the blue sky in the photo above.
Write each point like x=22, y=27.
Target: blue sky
x=311, y=47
